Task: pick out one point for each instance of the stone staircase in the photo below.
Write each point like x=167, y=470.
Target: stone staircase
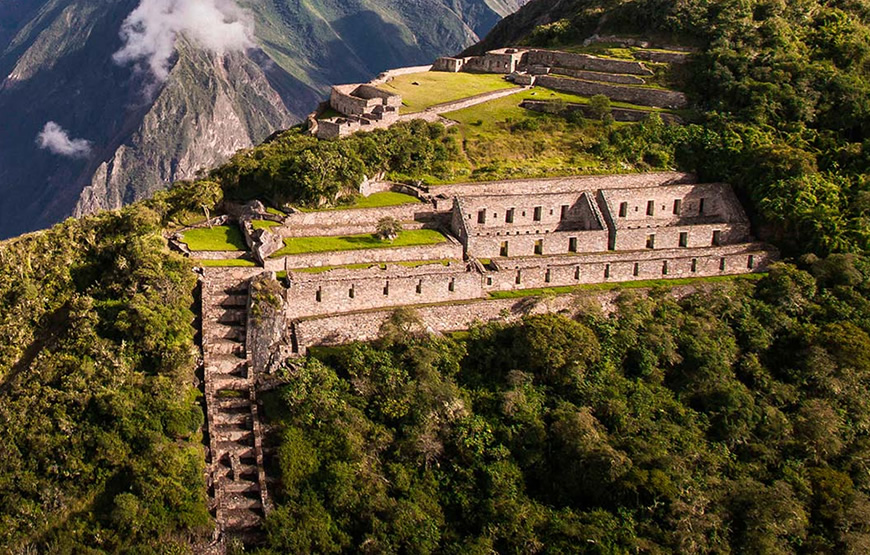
x=239, y=498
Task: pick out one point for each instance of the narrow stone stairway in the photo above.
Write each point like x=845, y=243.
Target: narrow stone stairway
x=238, y=484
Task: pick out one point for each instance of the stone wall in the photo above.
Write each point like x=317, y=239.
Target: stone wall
x=603, y=77
x=572, y=184
x=525, y=243
x=372, y=186
x=450, y=65
x=451, y=249
x=619, y=114
x=554, y=212
x=586, y=62
x=346, y=290
x=641, y=96
x=537, y=272
x=668, y=237
x=395, y=72
x=695, y=201
x=327, y=219
x=364, y=326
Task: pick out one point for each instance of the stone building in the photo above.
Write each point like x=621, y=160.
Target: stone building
x=363, y=107
x=523, y=235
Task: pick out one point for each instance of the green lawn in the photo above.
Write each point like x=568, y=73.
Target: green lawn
x=299, y=245
x=264, y=224
x=519, y=293
x=217, y=238
x=379, y=200
x=229, y=263
x=275, y=211
x=436, y=87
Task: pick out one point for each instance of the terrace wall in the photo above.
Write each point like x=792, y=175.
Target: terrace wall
x=346, y=290
x=557, y=242
x=450, y=249
x=573, y=184
x=328, y=219
x=668, y=237
x=634, y=95
x=364, y=326
x=586, y=62
x=538, y=272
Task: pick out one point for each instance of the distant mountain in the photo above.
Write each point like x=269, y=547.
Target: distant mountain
x=192, y=82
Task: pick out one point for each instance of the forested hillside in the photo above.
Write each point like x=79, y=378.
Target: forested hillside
x=99, y=421
x=732, y=421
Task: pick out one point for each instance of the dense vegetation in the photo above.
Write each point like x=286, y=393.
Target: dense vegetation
x=733, y=420
x=99, y=420
x=782, y=88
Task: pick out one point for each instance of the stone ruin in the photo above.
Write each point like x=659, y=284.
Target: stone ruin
x=511, y=235
x=499, y=236
x=363, y=107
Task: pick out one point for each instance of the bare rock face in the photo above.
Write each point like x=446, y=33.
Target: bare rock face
x=189, y=128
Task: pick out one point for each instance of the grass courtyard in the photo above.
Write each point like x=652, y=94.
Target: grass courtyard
x=436, y=87
x=408, y=238
x=216, y=238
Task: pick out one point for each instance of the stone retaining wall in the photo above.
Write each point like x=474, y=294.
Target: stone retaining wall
x=352, y=217
x=619, y=114
x=641, y=96
x=620, y=267
x=560, y=184
x=604, y=77
x=344, y=290
x=364, y=326
x=585, y=62
x=451, y=249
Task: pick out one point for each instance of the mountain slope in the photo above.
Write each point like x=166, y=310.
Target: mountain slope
x=56, y=65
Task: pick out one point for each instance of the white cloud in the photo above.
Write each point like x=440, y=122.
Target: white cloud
x=150, y=31
x=54, y=138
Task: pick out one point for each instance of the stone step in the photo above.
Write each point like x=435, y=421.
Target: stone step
x=229, y=382
x=224, y=347
x=233, y=316
x=232, y=333
x=234, y=501
x=242, y=438
x=241, y=519
x=235, y=289
x=226, y=364
x=240, y=486
x=232, y=418
x=228, y=405
x=246, y=472
x=231, y=301
x=244, y=448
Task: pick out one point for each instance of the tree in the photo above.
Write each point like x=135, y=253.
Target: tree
x=599, y=107
x=388, y=228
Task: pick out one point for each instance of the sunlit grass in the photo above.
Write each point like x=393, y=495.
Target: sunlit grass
x=300, y=245
x=217, y=238
x=436, y=87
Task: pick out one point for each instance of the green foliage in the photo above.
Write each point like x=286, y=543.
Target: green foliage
x=730, y=420
x=98, y=420
x=295, y=167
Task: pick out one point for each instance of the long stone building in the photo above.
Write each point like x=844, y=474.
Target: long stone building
x=513, y=235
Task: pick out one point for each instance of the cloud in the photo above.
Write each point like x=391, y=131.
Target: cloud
x=54, y=138
x=150, y=31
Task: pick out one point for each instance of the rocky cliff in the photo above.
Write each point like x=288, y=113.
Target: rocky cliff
x=80, y=131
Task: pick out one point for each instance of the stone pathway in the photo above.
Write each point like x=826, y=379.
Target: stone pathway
x=239, y=497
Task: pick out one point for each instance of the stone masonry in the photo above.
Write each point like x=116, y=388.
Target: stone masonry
x=521, y=234
x=499, y=236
